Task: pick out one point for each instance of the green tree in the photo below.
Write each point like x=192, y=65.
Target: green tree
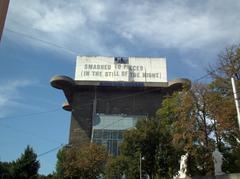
x=116, y=166
x=168, y=154
x=61, y=158
x=227, y=66
x=26, y=166
x=142, y=140
x=151, y=138
x=186, y=116
x=223, y=109
x=87, y=161
x=5, y=170
x=49, y=176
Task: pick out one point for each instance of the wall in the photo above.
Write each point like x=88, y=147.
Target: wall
x=110, y=100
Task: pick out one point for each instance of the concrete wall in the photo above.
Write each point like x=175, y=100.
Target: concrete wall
x=110, y=100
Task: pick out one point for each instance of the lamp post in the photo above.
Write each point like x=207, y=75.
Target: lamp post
x=140, y=164
x=236, y=100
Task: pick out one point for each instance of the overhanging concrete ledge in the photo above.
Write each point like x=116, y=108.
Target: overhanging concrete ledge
x=62, y=82
x=69, y=86
x=180, y=82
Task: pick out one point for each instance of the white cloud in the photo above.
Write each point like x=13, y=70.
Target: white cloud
x=53, y=22
x=108, y=27
x=9, y=95
x=176, y=25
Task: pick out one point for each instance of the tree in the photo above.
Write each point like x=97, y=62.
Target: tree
x=186, y=116
x=116, y=166
x=5, y=170
x=228, y=64
x=61, y=158
x=49, y=176
x=87, y=161
x=151, y=139
x=168, y=154
x=223, y=108
x=142, y=140
x=26, y=166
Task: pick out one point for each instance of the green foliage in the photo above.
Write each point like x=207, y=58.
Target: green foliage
x=87, y=161
x=49, y=176
x=123, y=166
x=23, y=168
x=194, y=121
x=26, y=166
x=144, y=140
x=130, y=155
x=61, y=157
x=152, y=139
x=116, y=166
x=183, y=117
x=223, y=109
x=5, y=169
x=232, y=160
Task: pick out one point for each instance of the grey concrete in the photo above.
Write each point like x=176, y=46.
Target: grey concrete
x=85, y=98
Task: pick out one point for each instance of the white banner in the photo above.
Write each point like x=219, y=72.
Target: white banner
x=132, y=69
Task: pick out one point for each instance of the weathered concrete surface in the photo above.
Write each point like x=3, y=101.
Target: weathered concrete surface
x=87, y=98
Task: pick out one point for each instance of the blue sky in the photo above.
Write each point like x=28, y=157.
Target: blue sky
x=190, y=34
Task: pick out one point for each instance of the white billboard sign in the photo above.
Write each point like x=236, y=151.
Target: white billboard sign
x=132, y=69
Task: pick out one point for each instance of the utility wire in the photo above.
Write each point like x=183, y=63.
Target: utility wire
x=74, y=52
x=49, y=43
x=30, y=114
x=29, y=133
x=42, y=41
x=201, y=78
x=119, y=97
x=87, y=104
x=51, y=150
x=90, y=103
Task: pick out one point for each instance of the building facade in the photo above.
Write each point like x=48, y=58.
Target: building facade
x=109, y=95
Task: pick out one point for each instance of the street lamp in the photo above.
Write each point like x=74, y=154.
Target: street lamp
x=140, y=164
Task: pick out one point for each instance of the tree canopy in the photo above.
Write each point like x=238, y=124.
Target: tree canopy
x=24, y=167
x=87, y=161
x=194, y=121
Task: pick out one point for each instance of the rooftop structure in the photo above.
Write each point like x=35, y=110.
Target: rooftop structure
x=109, y=94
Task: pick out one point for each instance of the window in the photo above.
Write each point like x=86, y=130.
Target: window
x=121, y=60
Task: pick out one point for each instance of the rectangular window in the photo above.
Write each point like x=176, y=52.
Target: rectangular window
x=121, y=60
x=97, y=134
x=105, y=134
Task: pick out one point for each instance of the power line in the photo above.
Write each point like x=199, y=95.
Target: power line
x=49, y=43
x=90, y=103
x=74, y=52
x=30, y=114
x=42, y=41
x=87, y=104
x=51, y=150
x=201, y=78
x=120, y=97
x=29, y=133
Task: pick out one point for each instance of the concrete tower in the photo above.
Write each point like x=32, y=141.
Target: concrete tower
x=109, y=94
